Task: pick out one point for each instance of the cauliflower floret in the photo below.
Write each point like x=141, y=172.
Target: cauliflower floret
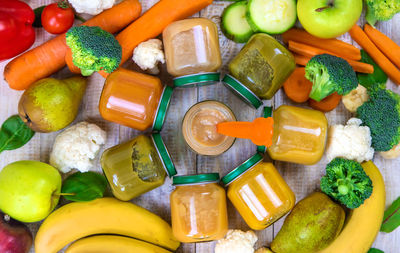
x=92, y=7
x=351, y=141
x=147, y=55
x=355, y=98
x=263, y=250
x=237, y=241
x=391, y=154
x=76, y=147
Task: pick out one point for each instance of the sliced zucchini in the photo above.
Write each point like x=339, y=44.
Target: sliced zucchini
x=271, y=16
x=234, y=23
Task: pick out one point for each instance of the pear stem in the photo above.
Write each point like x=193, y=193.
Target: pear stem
x=64, y=194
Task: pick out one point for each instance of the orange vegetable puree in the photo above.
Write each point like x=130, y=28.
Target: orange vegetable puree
x=204, y=126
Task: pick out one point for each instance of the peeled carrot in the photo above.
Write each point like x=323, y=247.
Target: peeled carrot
x=297, y=87
x=387, y=66
x=301, y=59
x=49, y=57
x=310, y=51
x=154, y=21
x=338, y=47
x=384, y=43
x=327, y=104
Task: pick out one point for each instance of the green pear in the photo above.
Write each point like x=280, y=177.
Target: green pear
x=312, y=225
x=51, y=104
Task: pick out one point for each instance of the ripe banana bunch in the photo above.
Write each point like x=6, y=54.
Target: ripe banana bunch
x=102, y=216
x=363, y=223
x=113, y=244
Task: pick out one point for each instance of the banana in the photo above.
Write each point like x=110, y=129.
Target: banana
x=363, y=223
x=113, y=244
x=102, y=216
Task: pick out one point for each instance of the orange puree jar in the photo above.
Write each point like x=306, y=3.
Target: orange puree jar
x=198, y=208
x=135, y=100
x=259, y=192
x=299, y=135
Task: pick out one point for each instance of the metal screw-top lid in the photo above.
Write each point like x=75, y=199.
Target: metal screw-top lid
x=238, y=171
x=267, y=112
x=245, y=93
x=162, y=108
x=163, y=154
x=200, y=79
x=196, y=179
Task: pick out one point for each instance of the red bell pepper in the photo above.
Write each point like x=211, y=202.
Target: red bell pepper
x=16, y=31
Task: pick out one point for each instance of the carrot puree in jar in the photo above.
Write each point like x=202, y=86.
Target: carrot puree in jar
x=199, y=127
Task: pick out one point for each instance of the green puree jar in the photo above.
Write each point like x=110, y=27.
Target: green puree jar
x=262, y=66
x=137, y=166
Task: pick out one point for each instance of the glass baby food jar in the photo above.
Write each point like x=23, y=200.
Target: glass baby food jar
x=299, y=135
x=259, y=192
x=199, y=128
x=262, y=66
x=198, y=208
x=192, y=52
x=137, y=166
x=135, y=100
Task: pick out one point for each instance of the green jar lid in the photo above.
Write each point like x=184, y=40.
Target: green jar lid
x=250, y=163
x=196, y=179
x=267, y=112
x=245, y=93
x=163, y=154
x=162, y=108
x=200, y=79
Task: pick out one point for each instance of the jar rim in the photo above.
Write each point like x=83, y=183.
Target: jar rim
x=200, y=79
x=164, y=155
x=242, y=168
x=267, y=112
x=196, y=179
x=162, y=108
x=240, y=89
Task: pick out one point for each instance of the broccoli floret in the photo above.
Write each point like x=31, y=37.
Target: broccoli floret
x=381, y=113
x=347, y=182
x=93, y=49
x=330, y=74
x=381, y=10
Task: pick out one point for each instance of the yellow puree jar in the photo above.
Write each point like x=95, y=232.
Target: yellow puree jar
x=198, y=208
x=259, y=192
x=299, y=135
x=137, y=166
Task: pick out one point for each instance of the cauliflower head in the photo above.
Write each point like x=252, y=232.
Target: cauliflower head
x=147, y=55
x=355, y=98
x=76, y=147
x=351, y=141
x=92, y=7
x=237, y=241
x=392, y=153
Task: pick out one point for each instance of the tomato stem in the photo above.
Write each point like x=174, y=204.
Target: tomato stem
x=63, y=4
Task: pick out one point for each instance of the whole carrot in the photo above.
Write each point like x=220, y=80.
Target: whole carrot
x=154, y=21
x=341, y=48
x=387, y=66
x=49, y=57
x=384, y=43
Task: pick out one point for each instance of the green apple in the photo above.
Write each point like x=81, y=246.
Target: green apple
x=29, y=190
x=328, y=18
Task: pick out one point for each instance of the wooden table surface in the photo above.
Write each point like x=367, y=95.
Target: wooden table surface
x=302, y=179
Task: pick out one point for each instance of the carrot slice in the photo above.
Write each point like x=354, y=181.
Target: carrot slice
x=327, y=104
x=384, y=43
x=297, y=87
x=49, y=57
x=387, y=66
x=338, y=47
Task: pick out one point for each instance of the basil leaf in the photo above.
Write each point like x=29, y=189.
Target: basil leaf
x=373, y=250
x=391, y=218
x=375, y=80
x=84, y=186
x=14, y=134
x=38, y=16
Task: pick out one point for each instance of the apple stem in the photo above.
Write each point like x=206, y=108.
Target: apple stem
x=330, y=5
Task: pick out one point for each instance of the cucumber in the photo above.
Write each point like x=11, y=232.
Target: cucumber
x=234, y=23
x=271, y=16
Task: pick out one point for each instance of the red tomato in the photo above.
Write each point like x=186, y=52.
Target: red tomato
x=57, y=18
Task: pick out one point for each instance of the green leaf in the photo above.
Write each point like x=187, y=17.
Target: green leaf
x=84, y=186
x=391, y=218
x=373, y=250
x=38, y=16
x=374, y=80
x=14, y=134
